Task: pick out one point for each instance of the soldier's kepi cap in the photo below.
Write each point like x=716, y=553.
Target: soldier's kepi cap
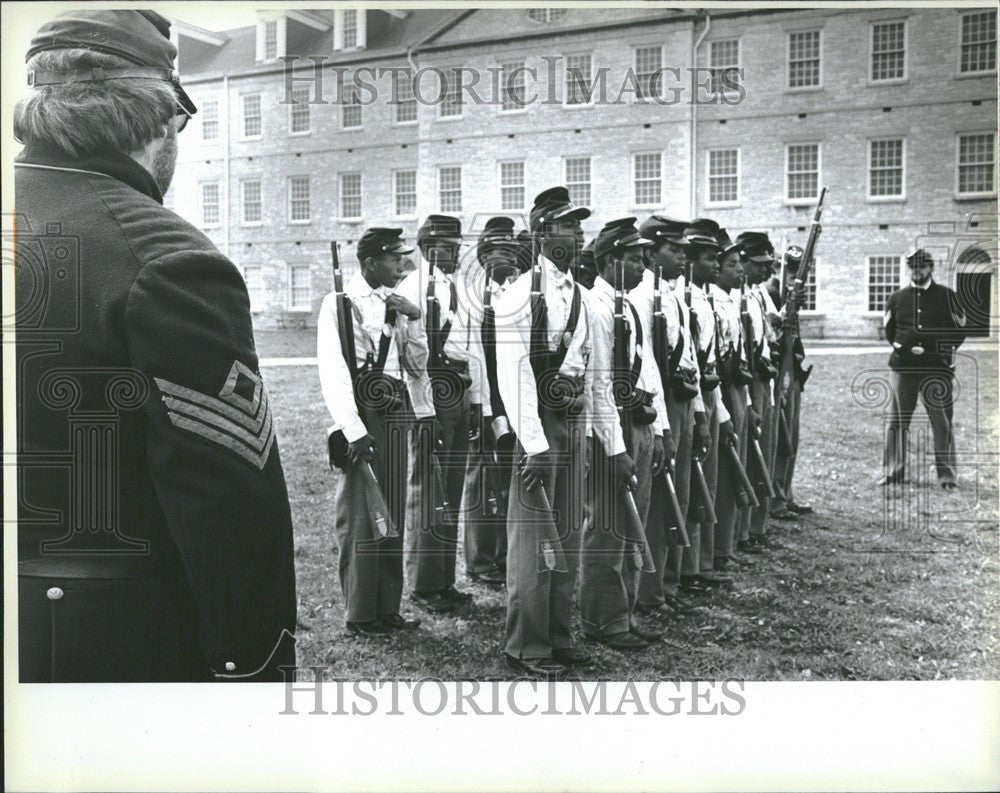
x=616, y=237
x=499, y=231
x=919, y=256
x=376, y=241
x=140, y=37
x=724, y=242
x=755, y=246
x=660, y=227
x=554, y=204
x=440, y=227
x=702, y=234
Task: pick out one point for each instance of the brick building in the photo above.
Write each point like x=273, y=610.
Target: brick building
x=738, y=115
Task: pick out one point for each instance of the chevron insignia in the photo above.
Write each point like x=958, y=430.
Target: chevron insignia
x=239, y=419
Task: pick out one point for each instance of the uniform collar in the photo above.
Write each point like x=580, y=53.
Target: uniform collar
x=117, y=165
x=555, y=276
x=924, y=287
x=719, y=293
x=439, y=274
x=359, y=287
x=603, y=289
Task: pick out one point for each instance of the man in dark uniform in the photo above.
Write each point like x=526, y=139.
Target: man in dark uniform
x=163, y=549
x=924, y=323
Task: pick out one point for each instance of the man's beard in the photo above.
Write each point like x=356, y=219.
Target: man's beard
x=165, y=162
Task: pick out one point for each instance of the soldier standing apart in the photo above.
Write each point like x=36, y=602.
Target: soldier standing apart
x=924, y=323
x=626, y=445
x=702, y=251
x=487, y=478
x=138, y=364
x=364, y=391
x=544, y=317
x=449, y=386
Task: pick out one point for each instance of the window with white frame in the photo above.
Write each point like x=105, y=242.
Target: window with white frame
x=512, y=185
x=350, y=113
x=804, y=58
x=251, y=205
x=578, y=180
x=546, y=16
x=270, y=40
x=404, y=193
x=209, y=203
x=723, y=64
x=298, y=119
x=210, y=119
x=886, y=163
x=406, y=102
x=298, y=199
x=450, y=188
x=809, y=300
x=299, y=287
x=723, y=174
x=647, y=173
x=802, y=171
x=579, y=79
x=977, y=163
x=451, y=94
x=350, y=196
x=883, y=279
x=350, y=28
x=512, y=86
x=648, y=66
x=253, y=276
x=252, y=120
x=888, y=51
x=979, y=42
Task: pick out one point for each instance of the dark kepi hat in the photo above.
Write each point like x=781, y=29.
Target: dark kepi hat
x=440, y=227
x=660, y=227
x=378, y=240
x=555, y=204
x=725, y=243
x=618, y=236
x=140, y=37
x=755, y=245
x=702, y=234
x=525, y=248
x=498, y=231
x=919, y=256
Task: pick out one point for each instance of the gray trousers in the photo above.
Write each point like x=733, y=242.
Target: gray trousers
x=371, y=567
x=784, y=458
x=432, y=547
x=485, y=534
x=701, y=555
x=761, y=395
x=609, y=577
x=540, y=604
x=935, y=390
x=681, y=417
x=727, y=508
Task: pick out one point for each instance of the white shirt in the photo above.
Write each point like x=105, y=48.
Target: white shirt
x=514, y=374
x=727, y=308
x=606, y=421
x=478, y=308
x=681, y=329
x=650, y=378
x=369, y=325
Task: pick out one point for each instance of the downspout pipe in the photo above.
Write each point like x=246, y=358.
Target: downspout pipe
x=694, y=117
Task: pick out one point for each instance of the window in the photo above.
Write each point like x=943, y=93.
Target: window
x=252, y=122
x=579, y=81
x=885, y=168
x=883, y=279
x=578, y=180
x=648, y=63
x=253, y=275
x=648, y=179
x=350, y=117
x=210, y=119
x=406, y=102
x=979, y=43
x=298, y=120
x=298, y=199
x=723, y=176
x=512, y=86
x=451, y=94
x=512, y=185
x=270, y=40
x=802, y=172
x=404, y=193
x=809, y=303
x=250, y=201
x=546, y=15
x=977, y=164
x=210, y=203
x=723, y=61
x=804, y=59
x=450, y=188
x=888, y=51
x=299, y=287
x=350, y=28
x=350, y=196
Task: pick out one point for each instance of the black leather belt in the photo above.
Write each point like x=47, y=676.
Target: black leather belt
x=561, y=393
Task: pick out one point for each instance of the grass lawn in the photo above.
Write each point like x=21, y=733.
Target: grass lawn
x=865, y=589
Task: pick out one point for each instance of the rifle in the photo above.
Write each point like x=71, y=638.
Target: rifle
x=432, y=318
x=539, y=315
x=550, y=550
x=621, y=385
x=336, y=441
x=675, y=508
x=636, y=531
x=745, y=493
x=703, y=504
x=764, y=486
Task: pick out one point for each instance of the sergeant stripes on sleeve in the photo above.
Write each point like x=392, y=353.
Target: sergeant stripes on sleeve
x=243, y=426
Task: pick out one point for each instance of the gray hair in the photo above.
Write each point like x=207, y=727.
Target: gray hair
x=95, y=117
